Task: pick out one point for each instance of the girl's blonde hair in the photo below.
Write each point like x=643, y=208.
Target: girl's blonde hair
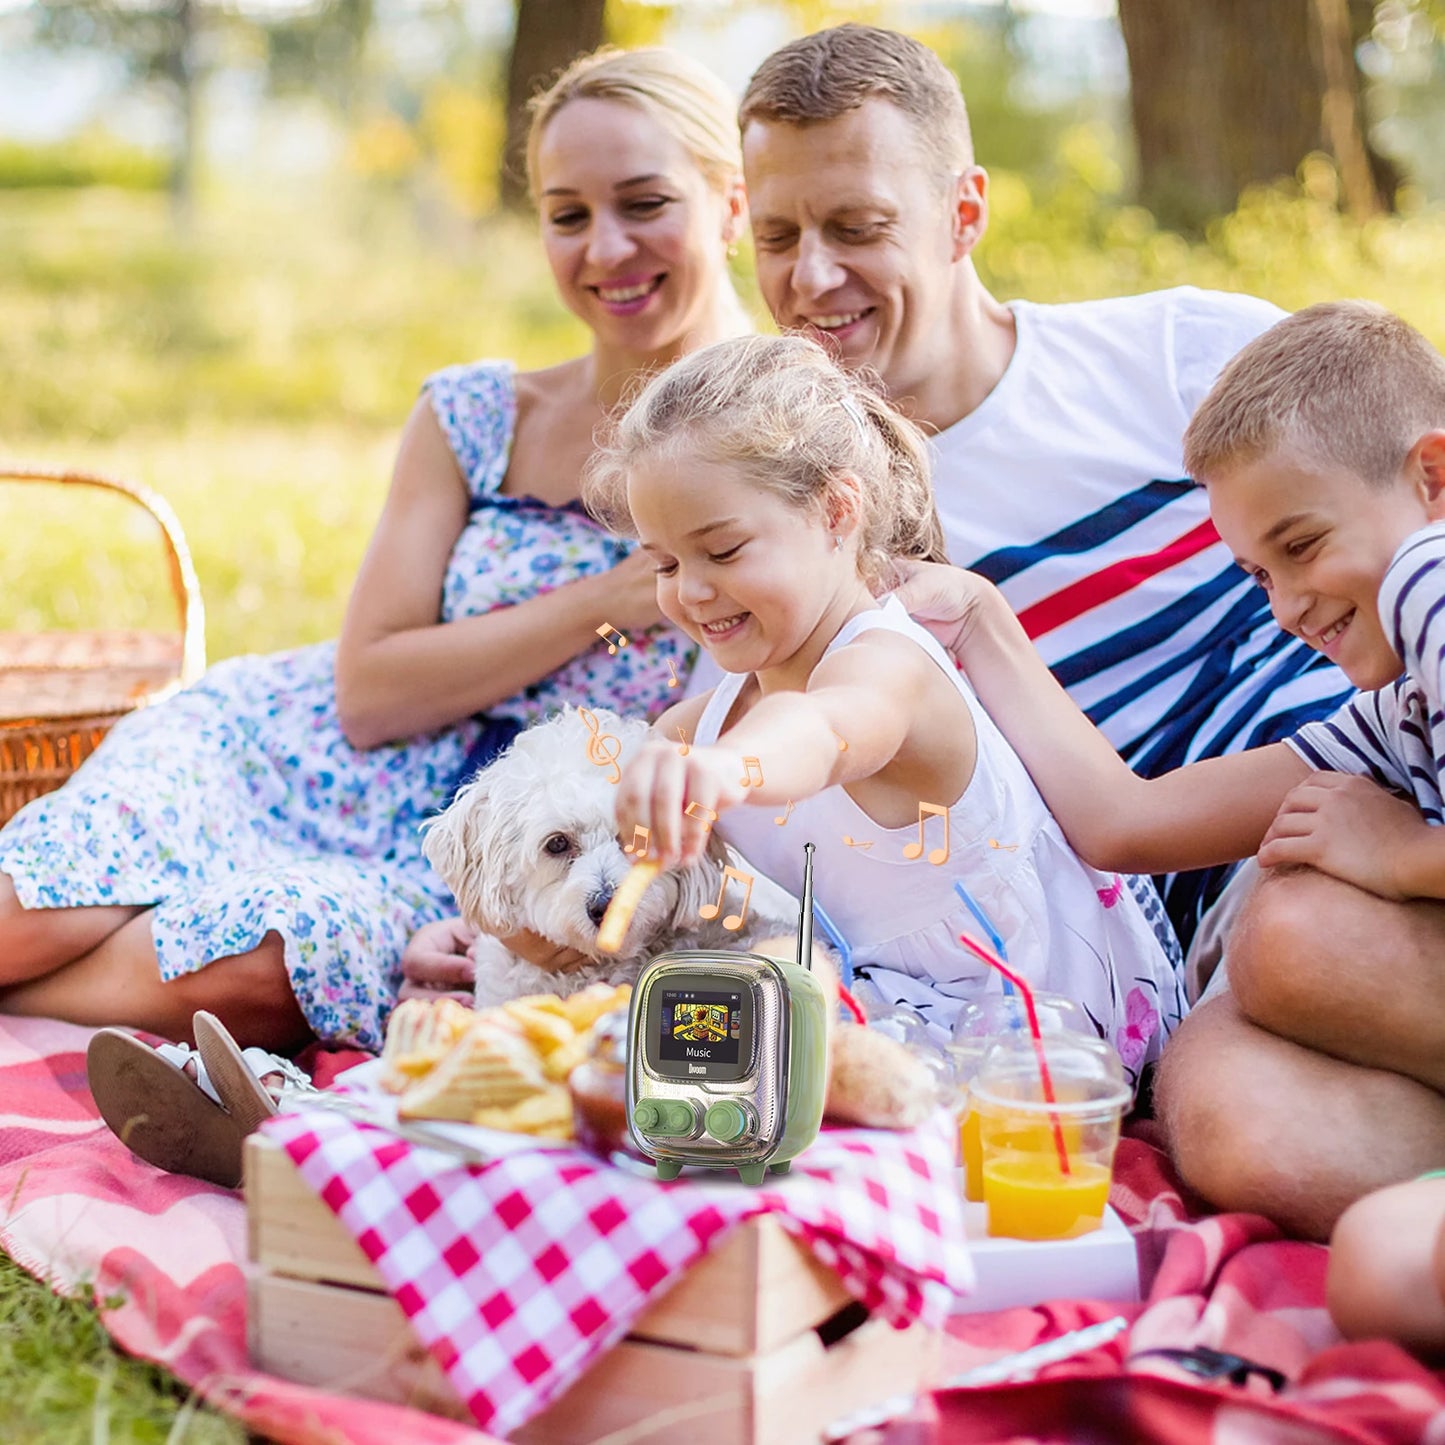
x=778, y=407
x=684, y=97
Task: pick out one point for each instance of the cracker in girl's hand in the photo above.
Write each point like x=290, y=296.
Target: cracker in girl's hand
x=624, y=903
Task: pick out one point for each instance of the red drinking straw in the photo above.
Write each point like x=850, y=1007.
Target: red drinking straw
x=852, y=1005
x=994, y=961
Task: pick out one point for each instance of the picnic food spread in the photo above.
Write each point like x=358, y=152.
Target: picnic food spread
x=503, y=1068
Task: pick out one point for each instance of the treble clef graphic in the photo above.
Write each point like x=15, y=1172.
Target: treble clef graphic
x=597, y=745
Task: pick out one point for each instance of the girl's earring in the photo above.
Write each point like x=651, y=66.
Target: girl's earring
x=732, y=250
x=837, y=542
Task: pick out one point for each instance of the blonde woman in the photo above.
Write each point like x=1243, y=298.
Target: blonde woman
x=250, y=848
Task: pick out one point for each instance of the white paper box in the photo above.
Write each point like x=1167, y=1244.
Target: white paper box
x=1103, y=1266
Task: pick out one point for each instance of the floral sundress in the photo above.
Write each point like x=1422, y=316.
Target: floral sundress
x=237, y=807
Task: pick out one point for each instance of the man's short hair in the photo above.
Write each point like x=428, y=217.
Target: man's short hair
x=1346, y=383
x=832, y=72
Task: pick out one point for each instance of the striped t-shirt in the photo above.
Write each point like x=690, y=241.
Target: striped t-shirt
x=1066, y=487
x=1397, y=735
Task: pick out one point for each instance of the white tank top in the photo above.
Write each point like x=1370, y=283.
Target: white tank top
x=1100, y=939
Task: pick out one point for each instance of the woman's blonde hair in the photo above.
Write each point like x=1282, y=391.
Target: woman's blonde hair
x=778, y=407
x=684, y=97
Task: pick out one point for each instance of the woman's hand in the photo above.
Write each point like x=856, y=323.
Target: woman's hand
x=658, y=787
x=946, y=600
x=627, y=594
x=436, y=963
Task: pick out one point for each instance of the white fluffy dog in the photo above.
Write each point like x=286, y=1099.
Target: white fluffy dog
x=531, y=843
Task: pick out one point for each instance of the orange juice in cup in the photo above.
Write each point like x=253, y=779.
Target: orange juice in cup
x=1047, y=1163
x=1029, y=1197
x=978, y=1027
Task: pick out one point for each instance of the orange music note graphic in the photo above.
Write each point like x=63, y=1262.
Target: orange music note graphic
x=854, y=843
x=788, y=813
x=611, y=646
x=597, y=745
x=842, y=741
x=696, y=810
x=684, y=750
x=915, y=850
x=733, y=921
x=747, y=779
x=672, y=681
x=1003, y=847
x=640, y=835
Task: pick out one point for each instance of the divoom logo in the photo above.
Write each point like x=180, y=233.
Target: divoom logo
x=697, y=1068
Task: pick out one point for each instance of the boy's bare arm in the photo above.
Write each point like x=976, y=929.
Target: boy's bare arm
x=1210, y=812
x=1350, y=827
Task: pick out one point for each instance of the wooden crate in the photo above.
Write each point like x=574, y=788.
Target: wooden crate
x=733, y=1354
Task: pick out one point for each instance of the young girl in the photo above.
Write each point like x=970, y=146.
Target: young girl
x=772, y=492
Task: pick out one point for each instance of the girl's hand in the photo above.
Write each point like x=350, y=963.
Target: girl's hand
x=946, y=600
x=658, y=787
x=1349, y=827
x=628, y=594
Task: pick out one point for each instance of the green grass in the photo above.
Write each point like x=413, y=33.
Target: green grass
x=61, y=1380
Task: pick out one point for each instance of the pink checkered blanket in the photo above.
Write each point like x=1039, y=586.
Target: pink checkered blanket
x=519, y=1273
x=78, y=1210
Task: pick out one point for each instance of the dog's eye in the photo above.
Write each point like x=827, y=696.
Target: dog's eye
x=557, y=845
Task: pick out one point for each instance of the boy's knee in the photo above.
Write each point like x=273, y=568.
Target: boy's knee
x=1276, y=945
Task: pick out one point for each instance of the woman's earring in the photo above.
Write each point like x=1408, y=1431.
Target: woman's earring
x=837, y=542
x=732, y=250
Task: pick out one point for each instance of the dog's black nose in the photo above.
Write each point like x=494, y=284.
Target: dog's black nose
x=597, y=905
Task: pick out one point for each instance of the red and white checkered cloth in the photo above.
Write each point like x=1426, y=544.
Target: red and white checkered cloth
x=519, y=1273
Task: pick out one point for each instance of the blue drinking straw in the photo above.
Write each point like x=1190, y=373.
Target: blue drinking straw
x=992, y=933
x=830, y=932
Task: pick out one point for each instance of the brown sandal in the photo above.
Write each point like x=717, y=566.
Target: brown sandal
x=160, y=1113
x=235, y=1077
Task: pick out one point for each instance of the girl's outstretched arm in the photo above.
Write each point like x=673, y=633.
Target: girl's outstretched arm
x=1210, y=812
x=787, y=746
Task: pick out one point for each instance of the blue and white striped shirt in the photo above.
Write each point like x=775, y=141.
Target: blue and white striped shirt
x=1397, y=735
x=1066, y=487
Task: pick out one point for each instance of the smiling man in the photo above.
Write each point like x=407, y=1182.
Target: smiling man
x=1058, y=464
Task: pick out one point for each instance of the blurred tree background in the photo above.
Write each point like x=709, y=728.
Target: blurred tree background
x=236, y=234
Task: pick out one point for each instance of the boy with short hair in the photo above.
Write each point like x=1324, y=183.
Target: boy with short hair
x=1318, y=1075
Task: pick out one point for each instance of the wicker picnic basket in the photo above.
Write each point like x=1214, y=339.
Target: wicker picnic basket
x=61, y=692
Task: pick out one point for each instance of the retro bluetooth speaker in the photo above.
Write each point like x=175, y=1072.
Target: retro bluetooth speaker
x=727, y=1057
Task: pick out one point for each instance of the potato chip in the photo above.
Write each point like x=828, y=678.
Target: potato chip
x=547, y=1114
x=542, y=1028
x=487, y=1067
x=615, y=921
x=585, y=1008
x=419, y=1034
x=561, y=1061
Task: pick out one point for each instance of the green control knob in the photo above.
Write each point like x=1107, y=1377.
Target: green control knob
x=677, y=1117
x=647, y=1116
x=726, y=1121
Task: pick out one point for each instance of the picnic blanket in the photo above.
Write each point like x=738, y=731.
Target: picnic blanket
x=518, y=1274
x=77, y=1209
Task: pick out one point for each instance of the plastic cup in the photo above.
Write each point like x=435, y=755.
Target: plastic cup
x=980, y=1025
x=1047, y=1166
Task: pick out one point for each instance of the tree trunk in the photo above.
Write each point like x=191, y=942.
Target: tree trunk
x=181, y=65
x=549, y=34
x=1233, y=92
